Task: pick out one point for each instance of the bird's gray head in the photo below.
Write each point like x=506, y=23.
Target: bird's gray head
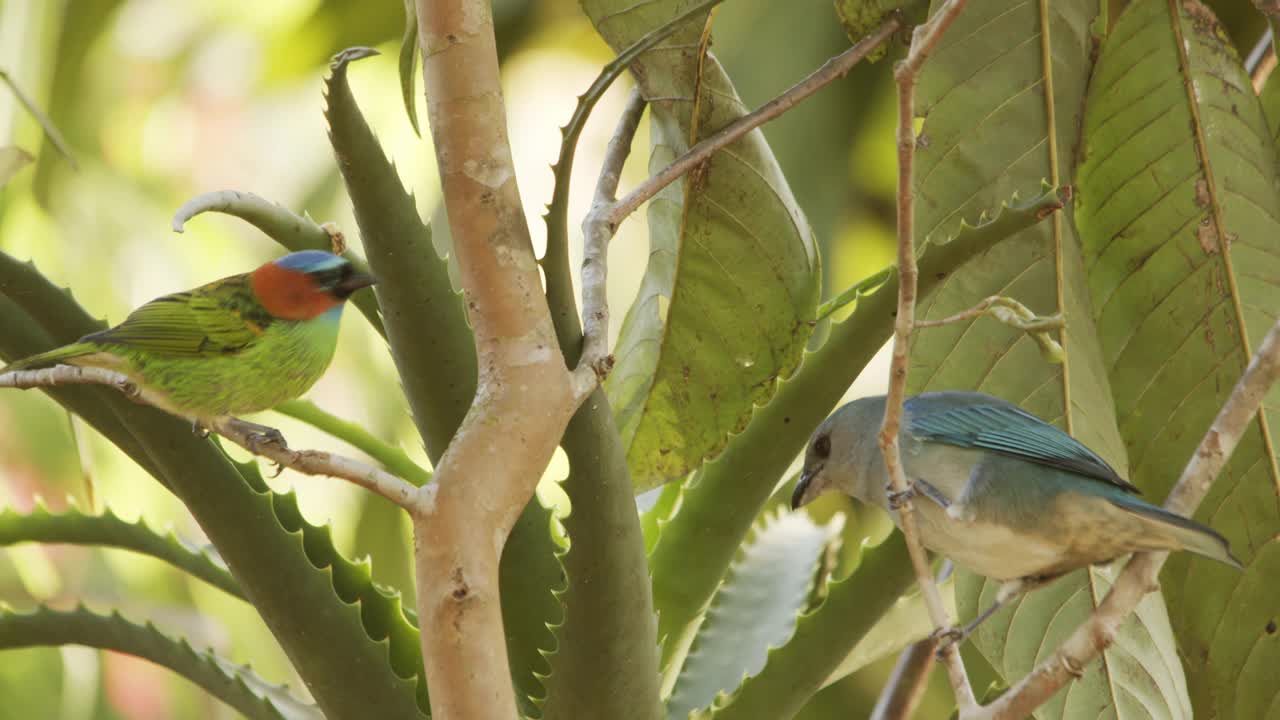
x=839, y=450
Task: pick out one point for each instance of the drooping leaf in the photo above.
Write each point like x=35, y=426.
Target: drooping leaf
x=1181, y=225
x=732, y=282
x=754, y=611
x=234, y=685
x=109, y=530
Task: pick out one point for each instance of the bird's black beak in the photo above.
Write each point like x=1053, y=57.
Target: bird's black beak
x=797, y=497
x=352, y=283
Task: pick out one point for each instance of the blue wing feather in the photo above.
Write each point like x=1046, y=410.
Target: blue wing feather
x=976, y=420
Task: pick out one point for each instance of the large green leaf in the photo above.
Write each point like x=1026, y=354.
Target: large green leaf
x=727, y=298
x=754, y=610
x=1001, y=100
x=1181, y=228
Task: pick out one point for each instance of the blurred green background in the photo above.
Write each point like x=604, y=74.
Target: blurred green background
x=162, y=100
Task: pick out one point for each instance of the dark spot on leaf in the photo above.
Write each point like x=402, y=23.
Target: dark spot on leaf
x=786, y=420
x=1271, y=627
x=940, y=276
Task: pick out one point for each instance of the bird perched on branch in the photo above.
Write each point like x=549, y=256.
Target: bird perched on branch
x=1000, y=492
x=237, y=345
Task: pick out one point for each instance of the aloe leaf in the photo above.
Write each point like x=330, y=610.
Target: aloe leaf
x=1180, y=218
x=1001, y=99
x=732, y=266
x=437, y=366
x=754, y=610
x=109, y=530
x=234, y=685
x=367, y=659
x=795, y=671
x=605, y=662
x=293, y=231
x=717, y=508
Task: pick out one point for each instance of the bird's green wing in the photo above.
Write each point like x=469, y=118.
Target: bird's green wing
x=1009, y=430
x=212, y=320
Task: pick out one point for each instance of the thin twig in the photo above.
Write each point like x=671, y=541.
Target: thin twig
x=308, y=462
x=924, y=40
x=1139, y=576
x=833, y=69
x=596, y=361
x=1015, y=315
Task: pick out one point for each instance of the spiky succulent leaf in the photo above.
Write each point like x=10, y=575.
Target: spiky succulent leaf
x=754, y=611
x=73, y=527
x=235, y=685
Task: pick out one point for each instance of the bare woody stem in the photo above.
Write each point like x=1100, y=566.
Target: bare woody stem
x=834, y=69
x=308, y=462
x=924, y=39
x=596, y=234
x=525, y=395
x=1139, y=576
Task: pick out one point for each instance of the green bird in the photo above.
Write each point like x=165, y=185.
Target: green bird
x=241, y=344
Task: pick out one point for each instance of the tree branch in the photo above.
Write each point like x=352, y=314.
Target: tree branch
x=833, y=69
x=924, y=40
x=307, y=462
x=595, y=361
x=525, y=395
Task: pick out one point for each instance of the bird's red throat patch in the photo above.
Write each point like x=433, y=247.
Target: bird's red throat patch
x=289, y=294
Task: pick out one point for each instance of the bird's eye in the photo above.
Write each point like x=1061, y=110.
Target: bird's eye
x=822, y=446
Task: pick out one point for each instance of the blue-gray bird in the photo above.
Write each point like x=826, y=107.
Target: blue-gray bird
x=1000, y=491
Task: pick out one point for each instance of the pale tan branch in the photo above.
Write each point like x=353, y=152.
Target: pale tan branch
x=525, y=394
x=1139, y=576
x=1015, y=315
x=924, y=39
x=834, y=69
x=308, y=462
x=596, y=361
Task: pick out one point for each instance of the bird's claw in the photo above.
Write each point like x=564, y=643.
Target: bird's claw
x=944, y=638
x=266, y=437
x=199, y=430
x=898, y=499
x=130, y=390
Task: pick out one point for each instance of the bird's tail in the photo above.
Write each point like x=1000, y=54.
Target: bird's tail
x=51, y=358
x=1186, y=534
